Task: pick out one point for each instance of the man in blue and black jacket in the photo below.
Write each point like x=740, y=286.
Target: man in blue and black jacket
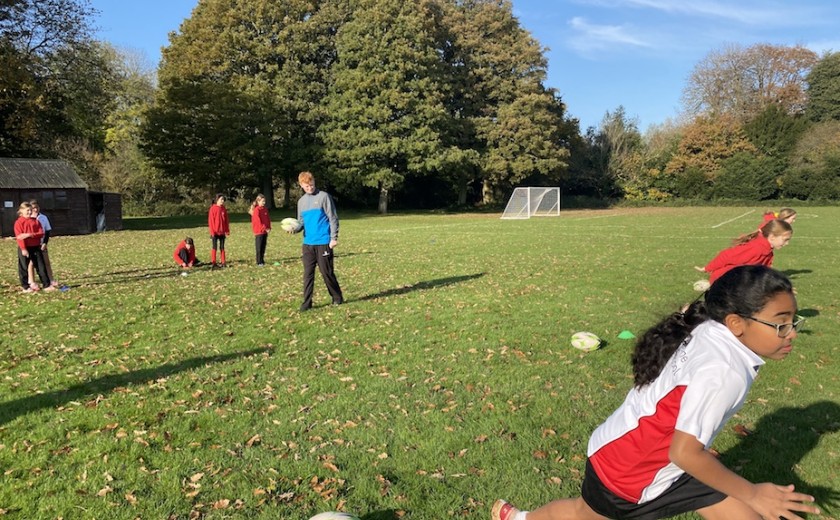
x=316, y=212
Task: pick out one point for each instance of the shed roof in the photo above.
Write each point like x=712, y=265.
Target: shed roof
x=38, y=174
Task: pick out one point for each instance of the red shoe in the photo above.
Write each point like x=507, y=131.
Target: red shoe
x=503, y=511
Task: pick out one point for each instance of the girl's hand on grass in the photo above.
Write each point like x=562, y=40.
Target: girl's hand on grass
x=774, y=501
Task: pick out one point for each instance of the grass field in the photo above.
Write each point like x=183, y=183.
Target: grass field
x=446, y=380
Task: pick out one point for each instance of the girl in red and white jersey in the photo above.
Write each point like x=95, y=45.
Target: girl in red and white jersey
x=650, y=459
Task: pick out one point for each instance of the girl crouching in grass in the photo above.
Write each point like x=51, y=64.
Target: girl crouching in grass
x=650, y=459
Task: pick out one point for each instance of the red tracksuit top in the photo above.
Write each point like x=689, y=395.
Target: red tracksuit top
x=260, y=220
x=29, y=225
x=755, y=252
x=217, y=221
x=190, y=253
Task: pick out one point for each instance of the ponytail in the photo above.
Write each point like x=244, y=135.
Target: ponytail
x=743, y=290
x=254, y=204
x=658, y=344
x=773, y=227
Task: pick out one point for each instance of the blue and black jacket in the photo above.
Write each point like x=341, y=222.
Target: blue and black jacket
x=319, y=218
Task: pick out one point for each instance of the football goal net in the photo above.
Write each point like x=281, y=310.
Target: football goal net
x=533, y=202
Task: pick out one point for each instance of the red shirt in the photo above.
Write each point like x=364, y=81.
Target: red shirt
x=260, y=221
x=755, y=252
x=217, y=220
x=29, y=225
x=190, y=254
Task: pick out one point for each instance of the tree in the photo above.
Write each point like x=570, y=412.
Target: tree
x=274, y=58
x=498, y=70
x=124, y=168
x=385, y=109
x=52, y=77
x=706, y=143
x=824, y=89
x=814, y=171
x=741, y=82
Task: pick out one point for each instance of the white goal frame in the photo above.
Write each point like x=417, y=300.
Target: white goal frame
x=527, y=202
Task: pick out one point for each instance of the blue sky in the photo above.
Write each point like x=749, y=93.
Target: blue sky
x=602, y=53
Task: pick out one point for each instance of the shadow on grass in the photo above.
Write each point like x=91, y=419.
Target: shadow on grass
x=420, y=286
x=772, y=452
x=13, y=409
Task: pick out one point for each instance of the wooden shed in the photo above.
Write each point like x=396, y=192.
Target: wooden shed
x=62, y=195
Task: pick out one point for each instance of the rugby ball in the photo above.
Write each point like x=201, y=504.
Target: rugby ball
x=333, y=515
x=585, y=341
x=290, y=225
x=701, y=285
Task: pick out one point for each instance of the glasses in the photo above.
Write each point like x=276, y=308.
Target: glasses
x=783, y=330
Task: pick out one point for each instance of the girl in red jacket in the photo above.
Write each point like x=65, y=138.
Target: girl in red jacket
x=28, y=232
x=755, y=248
x=261, y=225
x=217, y=221
x=786, y=214
x=184, y=254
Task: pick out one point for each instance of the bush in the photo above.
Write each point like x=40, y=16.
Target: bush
x=746, y=176
x=693, y=184
x=814, y=181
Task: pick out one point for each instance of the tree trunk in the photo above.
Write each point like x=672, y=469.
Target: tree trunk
x=287, y=196
x=383, y=200
x=487, y=192
x=462, y=194
x=268, y=191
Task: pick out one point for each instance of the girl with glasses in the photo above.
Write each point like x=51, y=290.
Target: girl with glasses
x=692, y=371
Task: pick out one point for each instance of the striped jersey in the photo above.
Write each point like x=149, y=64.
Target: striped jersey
x=700, y=388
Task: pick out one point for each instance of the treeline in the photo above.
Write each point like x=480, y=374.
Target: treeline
x=435, y=103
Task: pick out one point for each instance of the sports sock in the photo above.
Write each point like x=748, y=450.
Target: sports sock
x=213, y=256
x=520, y=515
x=223, y=256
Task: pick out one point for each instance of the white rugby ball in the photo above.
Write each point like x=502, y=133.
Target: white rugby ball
x=585, y=341
x=289, y=224
x=701, y=285
x=333, y=515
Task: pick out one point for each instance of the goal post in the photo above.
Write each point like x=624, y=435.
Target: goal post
x=527, y=202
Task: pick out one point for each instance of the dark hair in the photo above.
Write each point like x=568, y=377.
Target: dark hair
x=189, y=241
x=743, y=290
x=217, y=197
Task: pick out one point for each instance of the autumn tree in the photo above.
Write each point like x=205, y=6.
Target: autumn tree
x=740, y=82
x=824, y=89
x=706, y=143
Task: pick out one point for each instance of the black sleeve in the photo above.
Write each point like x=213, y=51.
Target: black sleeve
x=46, y=236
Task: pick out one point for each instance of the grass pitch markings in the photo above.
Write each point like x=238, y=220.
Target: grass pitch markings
x=733, y=219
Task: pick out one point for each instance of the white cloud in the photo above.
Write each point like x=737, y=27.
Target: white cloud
x=592, y=37
x=747, y=12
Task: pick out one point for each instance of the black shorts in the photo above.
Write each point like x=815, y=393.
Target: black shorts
x=685, y=494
